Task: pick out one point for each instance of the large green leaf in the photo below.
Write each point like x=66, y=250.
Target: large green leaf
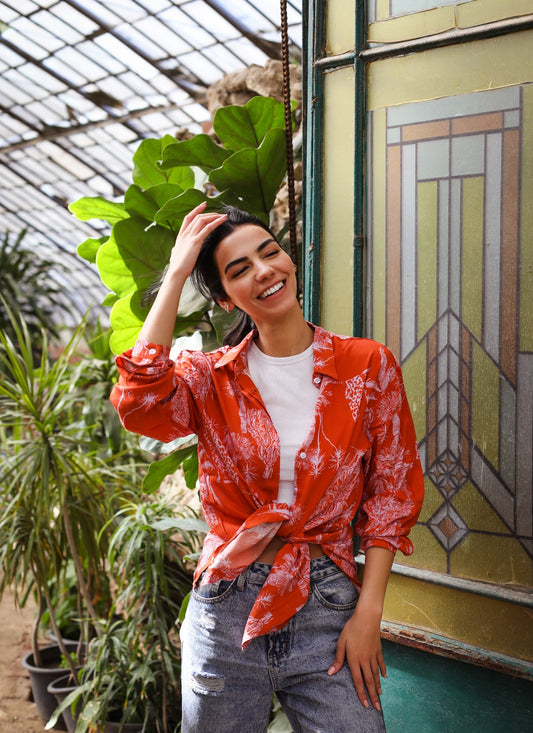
x=96, y=207
x=201, y=151
x=147, y=171
x=222, y=322
x=125, y=324
x=128, y=315
x=192, y=301
x=255, y=175
x=171, y=214
x=245, y=127
x=134, y=256
x=146, y=203
x=90, y=247
x=158, y=470
x=110, y=299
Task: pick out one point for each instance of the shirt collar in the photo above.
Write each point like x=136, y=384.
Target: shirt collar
x=323, y=352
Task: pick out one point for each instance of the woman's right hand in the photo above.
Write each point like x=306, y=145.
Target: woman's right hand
x=194, y=229
x=158, y=326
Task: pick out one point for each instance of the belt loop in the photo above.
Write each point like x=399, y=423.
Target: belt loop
x=241, y=580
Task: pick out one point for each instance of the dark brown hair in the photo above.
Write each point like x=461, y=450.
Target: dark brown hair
x=206, y=276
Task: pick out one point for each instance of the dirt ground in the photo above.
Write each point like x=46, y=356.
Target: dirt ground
x=17, y=713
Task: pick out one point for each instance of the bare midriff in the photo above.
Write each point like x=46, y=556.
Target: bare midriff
x=269, y=553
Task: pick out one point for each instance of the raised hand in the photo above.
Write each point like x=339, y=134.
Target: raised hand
x=159, y=324
x=195, y=227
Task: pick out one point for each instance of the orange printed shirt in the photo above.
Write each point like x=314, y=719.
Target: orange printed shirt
x=360, y=456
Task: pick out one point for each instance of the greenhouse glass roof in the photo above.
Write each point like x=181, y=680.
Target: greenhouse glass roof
x=82, y=82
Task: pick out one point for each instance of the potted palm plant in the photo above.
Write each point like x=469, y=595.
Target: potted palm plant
x=131, y=678
x=54, y=494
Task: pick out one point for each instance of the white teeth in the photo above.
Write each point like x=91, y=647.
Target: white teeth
x=271, y=291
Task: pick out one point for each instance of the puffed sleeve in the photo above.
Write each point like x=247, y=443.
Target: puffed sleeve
x=155, y=396
x=394, y=484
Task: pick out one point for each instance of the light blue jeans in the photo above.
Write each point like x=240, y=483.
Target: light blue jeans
x=228, y=690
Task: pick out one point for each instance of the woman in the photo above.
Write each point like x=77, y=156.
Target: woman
x=298, y=429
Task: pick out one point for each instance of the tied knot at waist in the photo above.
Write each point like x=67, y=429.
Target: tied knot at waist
x=286, y=588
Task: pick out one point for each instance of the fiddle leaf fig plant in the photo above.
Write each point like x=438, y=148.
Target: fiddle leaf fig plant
x=245, y=168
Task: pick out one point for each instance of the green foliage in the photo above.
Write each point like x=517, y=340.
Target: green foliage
x=98, y=420
x=26, y=286
x=133, y=669
x=245, y=169
x=56, y=492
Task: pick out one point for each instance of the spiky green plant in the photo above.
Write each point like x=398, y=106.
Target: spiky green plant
x=27, y=287
x=56, y=493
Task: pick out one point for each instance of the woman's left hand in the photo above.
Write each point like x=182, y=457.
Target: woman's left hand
x=360, y=645
x=360, y=641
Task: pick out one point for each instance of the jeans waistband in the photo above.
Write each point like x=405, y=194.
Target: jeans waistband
x=257, y=572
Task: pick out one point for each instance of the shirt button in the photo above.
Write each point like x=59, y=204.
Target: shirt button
x=303, y=454
x=316, y=380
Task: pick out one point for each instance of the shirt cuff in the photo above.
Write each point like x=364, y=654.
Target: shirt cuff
x=145, y=351
x=393, y=544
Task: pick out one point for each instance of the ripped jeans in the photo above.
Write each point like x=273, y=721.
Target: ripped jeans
x=228, y=690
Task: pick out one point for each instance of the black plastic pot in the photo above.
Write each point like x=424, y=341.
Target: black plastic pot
x=41, y=677
x=60, y=688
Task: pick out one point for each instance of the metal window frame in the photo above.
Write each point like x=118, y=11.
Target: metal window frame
x=316, y=64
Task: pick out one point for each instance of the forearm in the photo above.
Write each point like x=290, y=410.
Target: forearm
x=378, y=562
x=159, y=324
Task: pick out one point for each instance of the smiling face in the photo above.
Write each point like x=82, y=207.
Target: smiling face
x=258, y=276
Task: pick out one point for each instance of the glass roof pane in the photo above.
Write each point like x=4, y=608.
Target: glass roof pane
x=140, y=41
x=22, y=42
x=10, y=57
x=64, y=70
x=184, y=26
x=128, y=11
x=73, y=59
x=201, y=66
x=77, y=22
x=12, y=90
x=155, y=6
x=101, y=12
x=129, y=58
x=57, y=27
x=226, y=61
x=11, y=129
x=242, y=48
x=23, y=7
x=39, y=35
x=168, y=41
x=98, y=52
x=41, y=77
x=7, y=14
x=209, y=19
x=92, y=78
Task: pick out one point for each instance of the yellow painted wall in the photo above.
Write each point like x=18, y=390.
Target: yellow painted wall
x=468, y=67
x=443, y=72
x=503, y=627
x=337, y=265
x=462, y=15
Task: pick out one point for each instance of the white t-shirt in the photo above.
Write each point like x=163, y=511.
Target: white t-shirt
x=287, y=390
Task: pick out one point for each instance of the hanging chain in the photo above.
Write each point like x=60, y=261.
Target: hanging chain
x=288, y=129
